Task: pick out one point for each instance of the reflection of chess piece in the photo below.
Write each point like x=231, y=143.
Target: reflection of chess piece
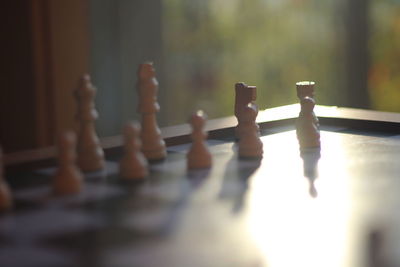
x=306, y=130
x=68, y=178
x=250, y=144
x=304, y=89
x=5, y=194
x=153, y=146
x=133, y=165
x=310, y=165
x=244, y=94
x=198, y=156
x=90, y=153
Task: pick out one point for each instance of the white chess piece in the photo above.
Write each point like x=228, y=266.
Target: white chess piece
x=90, y=152
x=133, y=164
x=153, y=146
x=306, y=89
x=68, y=178
x=5, y=193
x=250, y=144
x=306, y=128
x=198, y=156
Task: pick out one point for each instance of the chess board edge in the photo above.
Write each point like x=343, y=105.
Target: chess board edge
x=359, y=119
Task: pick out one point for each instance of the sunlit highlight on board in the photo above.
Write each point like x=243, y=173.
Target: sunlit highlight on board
x=290, y=227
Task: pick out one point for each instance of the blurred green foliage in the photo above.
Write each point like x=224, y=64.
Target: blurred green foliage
x=209, y=45
x=384, y=46
x=212, y=44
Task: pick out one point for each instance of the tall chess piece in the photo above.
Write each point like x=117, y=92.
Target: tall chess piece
x=304, y=89
x=133, y=164
x=5, y=193
x=68, y=178
x=250, y=144
x=198, y=156
x=244, y=94
x=153, y=146
x=306, y=129
x=90, y=152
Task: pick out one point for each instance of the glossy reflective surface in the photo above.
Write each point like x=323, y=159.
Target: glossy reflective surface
x=334, y=207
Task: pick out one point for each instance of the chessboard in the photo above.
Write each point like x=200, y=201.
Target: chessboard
x=335, y=206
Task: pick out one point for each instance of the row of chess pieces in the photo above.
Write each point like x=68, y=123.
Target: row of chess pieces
x=81, y=152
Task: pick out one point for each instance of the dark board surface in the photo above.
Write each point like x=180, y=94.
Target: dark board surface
x=334, y=207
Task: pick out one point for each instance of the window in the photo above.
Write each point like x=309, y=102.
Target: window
x=201, y=48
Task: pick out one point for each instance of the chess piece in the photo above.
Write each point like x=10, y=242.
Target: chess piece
x=153, y=146
x=250, y=144
x=68, y=178
x=198, y=156
x=90, y=152
x=5, y=193
x=244, y=94
x=133, y=164
x=306, y=129
x=304, y=89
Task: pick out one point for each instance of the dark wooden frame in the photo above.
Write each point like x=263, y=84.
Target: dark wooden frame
x=224, y=127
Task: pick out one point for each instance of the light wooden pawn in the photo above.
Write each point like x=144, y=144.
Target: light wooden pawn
x=306, y=89
x=198, y=156
x=153, y=145
x=306, y=128
x=6, y=201
x=133, y=164
x=90, y=152
x=68, y=178
x=250, y=144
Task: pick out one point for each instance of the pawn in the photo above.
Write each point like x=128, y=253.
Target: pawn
x=5, y=193
x=198, y=156
x=68, y=178
x=306, y=89
x=133, y=164
x=250, y=144
x=306, y=127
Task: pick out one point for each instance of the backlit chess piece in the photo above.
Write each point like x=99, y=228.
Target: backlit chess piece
x=250, y=144
x=306, y=129
x=133, y=164
x=198, y=156
x=153, y=146
x=68, y=178
x=244, y=94
x=304, y=89
x=90, y=152
x=5, y=193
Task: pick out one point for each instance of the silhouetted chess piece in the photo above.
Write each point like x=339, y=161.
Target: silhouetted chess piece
x=6, y=201
x=90, y=152
x=153, y=146
x=306, y=89
x=244, y=94
x=198, y=156
x=306, y=129
x=250, y=144
x=133, y=164
x=68, y=179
